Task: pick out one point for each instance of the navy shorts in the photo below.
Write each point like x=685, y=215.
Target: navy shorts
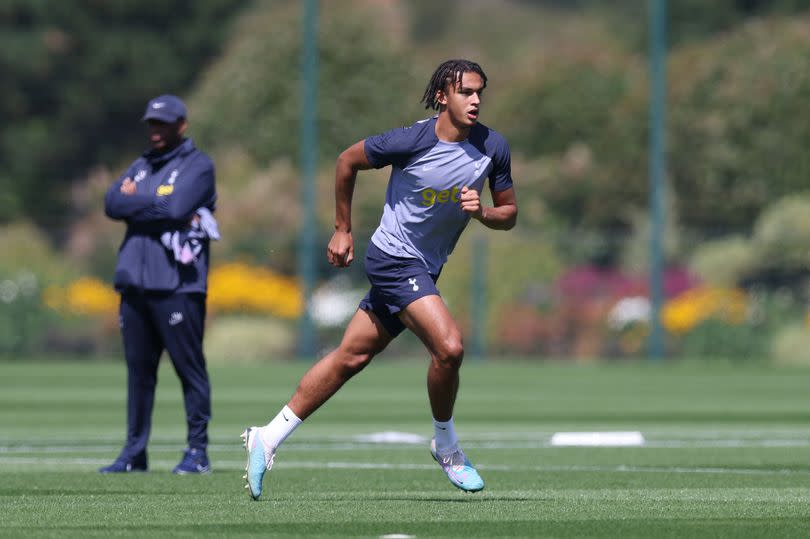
x=395, y=283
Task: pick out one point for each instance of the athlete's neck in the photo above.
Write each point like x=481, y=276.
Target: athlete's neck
x=449, y=131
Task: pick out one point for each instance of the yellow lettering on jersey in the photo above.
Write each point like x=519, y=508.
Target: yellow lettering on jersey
x=431, y=196
x=164, y=190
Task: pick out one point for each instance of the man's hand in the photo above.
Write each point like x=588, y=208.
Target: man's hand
x=340, y=251
x=128, y=187
x=471, y=202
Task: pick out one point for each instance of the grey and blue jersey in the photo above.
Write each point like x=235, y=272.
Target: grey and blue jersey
x=422, y=217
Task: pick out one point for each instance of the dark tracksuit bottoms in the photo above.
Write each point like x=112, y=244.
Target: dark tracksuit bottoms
x=150, y=323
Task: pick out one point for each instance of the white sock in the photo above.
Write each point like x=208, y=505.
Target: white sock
x=446, y=439
x=279, y=428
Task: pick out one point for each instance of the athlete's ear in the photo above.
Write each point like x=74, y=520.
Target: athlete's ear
x=181, y=127
x=441, y=97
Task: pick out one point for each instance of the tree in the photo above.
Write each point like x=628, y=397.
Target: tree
x=76, y=76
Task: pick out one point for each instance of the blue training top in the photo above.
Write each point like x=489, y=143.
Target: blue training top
x=422, y=217
x=171, y=187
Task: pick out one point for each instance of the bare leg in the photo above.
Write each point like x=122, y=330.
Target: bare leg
x=430, y=320
x=364, y=338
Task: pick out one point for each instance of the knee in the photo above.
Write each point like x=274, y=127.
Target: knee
x=350, y=363
x=450, y=354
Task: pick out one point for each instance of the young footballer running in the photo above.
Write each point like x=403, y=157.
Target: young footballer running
x=438, y=168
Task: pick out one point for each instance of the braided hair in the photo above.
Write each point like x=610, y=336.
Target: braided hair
x=447, y=74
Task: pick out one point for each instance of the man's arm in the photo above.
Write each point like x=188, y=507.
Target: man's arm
x=121, y=200
x=501, y=216
x=194, y=190
x=340, y=251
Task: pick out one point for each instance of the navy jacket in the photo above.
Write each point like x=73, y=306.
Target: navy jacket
x=170, y=189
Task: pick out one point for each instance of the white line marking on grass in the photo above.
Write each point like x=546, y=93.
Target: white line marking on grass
x=391, y=437
x=536, y=436
x=598, y=439
x=27, y=448
x=233, y=465
x=536, y=440
x=698, y=444
x=388, y=440
x=695, y=444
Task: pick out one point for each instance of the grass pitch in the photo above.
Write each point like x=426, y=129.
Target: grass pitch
x=727, y=454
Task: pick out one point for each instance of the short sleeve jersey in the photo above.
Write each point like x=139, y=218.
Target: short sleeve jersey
x=422, y=217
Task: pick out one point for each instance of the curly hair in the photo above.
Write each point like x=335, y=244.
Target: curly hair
x=449, y=73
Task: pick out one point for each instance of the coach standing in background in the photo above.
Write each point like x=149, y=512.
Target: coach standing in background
x=166, y=198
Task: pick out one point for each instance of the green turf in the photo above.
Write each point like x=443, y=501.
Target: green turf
x=727, y=454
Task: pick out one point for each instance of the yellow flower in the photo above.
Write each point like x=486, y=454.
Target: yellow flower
x=696, y=305
x=86, y=296
x=238, y=287
x=234, y=287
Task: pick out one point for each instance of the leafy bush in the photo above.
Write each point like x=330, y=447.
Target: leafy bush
x=23, y=319
x=514, y=265
x=714, y=338
x=27, y=266
x=781, y=236
x=689, y=20
x=733, y=328
x=724, y=262
x=760, y=327
x=791, y=345
x=729, y=160
x=76, y=76
x=248, y=338
x=81, y=316
x=364, y=84
x=26, y=249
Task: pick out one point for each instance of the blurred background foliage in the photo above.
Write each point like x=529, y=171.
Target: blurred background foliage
x=75, y=75
x=568, y=88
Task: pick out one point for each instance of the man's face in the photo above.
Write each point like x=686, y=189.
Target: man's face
x=463, y=101
x=163, y=136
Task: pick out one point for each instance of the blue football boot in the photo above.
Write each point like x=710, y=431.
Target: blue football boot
x=460, y=471
x=259, y=461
